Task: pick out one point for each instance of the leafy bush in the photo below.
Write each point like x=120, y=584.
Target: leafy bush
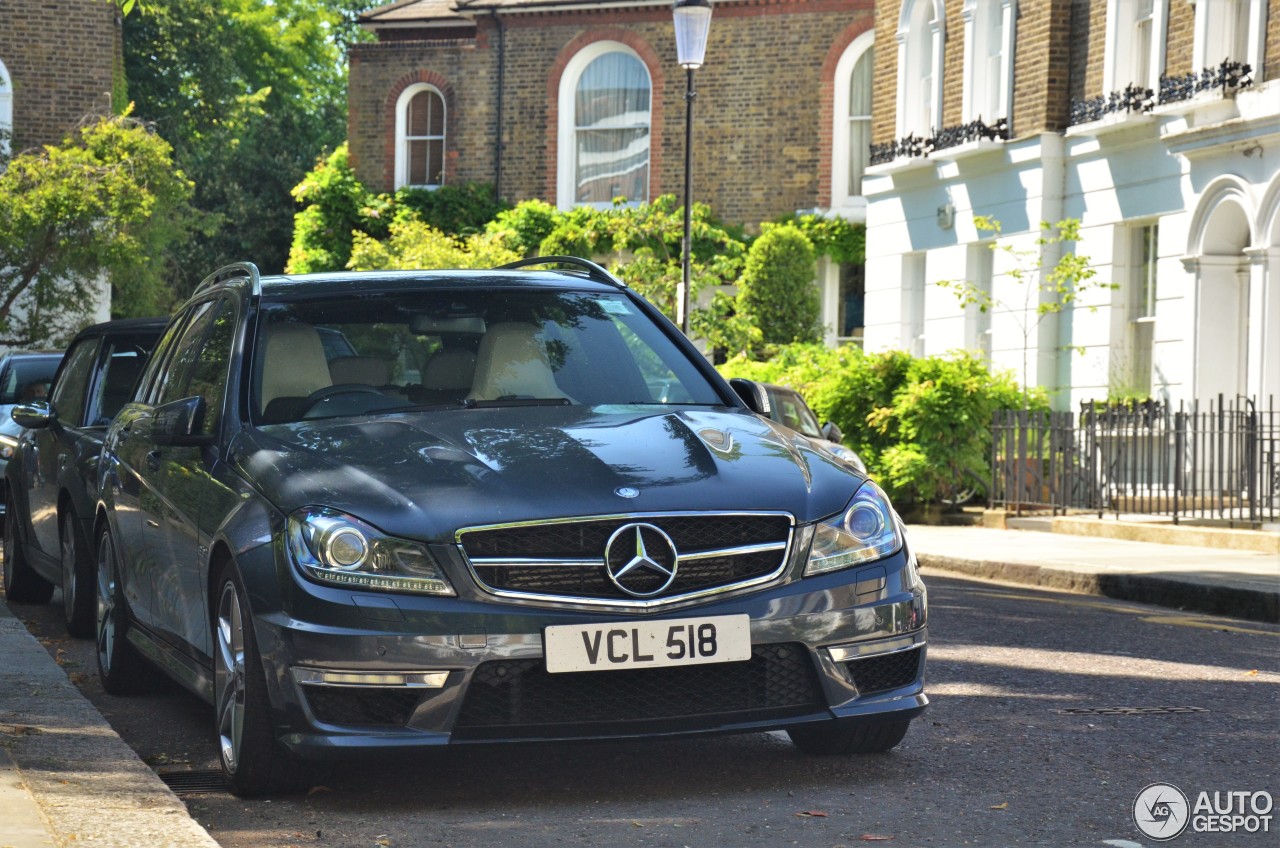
x=921, y=425
x=416, y=244
x=334, y=207
x=461, y=209
x=641, y=244
x=838, y=238
x=524, y=227
x=777, y=292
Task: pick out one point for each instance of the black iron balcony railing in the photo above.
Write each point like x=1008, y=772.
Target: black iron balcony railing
x=914, y=146
x=1132, y=99
x=1229, y=77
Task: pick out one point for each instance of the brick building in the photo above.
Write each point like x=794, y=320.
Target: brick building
x=580, y=101
x=1156, y=123
x=58, y=63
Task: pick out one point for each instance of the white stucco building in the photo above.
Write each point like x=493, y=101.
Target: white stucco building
x=1005, y=108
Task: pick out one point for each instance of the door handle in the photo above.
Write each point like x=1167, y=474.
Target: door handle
x=153, y=460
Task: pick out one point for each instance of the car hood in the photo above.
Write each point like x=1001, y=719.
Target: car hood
x=425, y=475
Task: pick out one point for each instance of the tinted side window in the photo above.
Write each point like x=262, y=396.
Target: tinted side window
x=69, y=388
x=173, y=381
x=122, y=362
x=162, y=352
x=209, y=375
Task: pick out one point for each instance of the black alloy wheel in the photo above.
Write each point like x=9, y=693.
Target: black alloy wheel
x=120, y=667
x=78, y=600
x=253, y=761
x=21, y=583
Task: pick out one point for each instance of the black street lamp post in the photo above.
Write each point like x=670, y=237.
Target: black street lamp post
x=693, y=22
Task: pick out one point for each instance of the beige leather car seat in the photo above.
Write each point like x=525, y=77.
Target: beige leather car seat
x=513, y=363
x=293, y=366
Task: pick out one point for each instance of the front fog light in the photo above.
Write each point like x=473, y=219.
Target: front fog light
x=332, y=547
x=864, y=532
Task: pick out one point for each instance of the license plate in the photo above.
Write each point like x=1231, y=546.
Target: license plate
x=647, y=644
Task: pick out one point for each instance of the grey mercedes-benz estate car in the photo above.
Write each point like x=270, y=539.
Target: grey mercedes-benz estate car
x=395, y=510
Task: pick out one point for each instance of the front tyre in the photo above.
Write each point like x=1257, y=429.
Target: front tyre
x=120, y=667
x=253, y=762
x=21, y=583
x=849, y=737
x=79, y=600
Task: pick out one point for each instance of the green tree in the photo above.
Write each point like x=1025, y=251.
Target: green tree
x=1043, y=292
x=108, y=201
x=250, y=91
x=777, y=291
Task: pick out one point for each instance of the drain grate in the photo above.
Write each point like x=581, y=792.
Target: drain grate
x=197, y=782
x=1094, y=711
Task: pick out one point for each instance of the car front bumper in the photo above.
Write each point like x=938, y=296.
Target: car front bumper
x=350, y=672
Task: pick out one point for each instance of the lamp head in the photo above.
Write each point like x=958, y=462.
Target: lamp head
x=693, y=23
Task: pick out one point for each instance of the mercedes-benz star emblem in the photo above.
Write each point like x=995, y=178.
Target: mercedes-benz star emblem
x=641, y=560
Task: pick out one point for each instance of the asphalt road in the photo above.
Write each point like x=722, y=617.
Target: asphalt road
x=994, y=761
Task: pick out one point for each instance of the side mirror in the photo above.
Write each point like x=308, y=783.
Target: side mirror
x=752, y=394
x=179, y=422
x=34, y=414
x=832, y=433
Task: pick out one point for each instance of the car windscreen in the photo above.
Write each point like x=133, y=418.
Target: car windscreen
x=28, y=378
x=354, y=355
x=789, y=409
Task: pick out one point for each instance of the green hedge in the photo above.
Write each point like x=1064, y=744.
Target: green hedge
x=922, y=425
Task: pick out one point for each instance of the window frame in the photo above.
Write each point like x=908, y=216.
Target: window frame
x=1118, y=60
x=982, y=18
x=1254, y=38
x=6, y=109
x=909, y=43
x=64, y=380
x=567, y=123
x=403, y=138
x=841, y=128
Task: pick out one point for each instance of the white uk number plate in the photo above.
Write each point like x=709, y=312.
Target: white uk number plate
x=647, y=644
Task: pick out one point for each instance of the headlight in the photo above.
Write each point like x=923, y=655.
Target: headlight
x=864, y=532
x=335, y=548
x=8, y=446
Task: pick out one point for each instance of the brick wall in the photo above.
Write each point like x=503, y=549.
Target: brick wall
x=759, y=131
x=1180, y=40
x=1272, y=55
x=1088, y=48
x=60, y=55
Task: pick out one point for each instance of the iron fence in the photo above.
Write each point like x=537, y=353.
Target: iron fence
x=1218, y=461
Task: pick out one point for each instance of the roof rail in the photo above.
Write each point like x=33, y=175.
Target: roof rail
x=231, y=272
x=594, y=271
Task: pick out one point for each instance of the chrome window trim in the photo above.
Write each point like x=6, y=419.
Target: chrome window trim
x=631, y=604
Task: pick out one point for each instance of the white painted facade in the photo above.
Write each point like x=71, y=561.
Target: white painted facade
x=1196, y=185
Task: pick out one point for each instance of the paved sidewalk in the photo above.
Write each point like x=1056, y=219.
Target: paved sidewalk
x=1243, y=584
x=66, y=778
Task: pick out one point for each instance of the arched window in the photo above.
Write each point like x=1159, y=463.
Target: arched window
x=988, y=59
x=1135, y=44
x=604, y=132
x=1229, y=30
x=6, y=108
x=420, y=137
x=921, y=32
x=851, y=132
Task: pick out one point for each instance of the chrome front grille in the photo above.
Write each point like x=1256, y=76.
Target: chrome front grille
x=565, y=559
